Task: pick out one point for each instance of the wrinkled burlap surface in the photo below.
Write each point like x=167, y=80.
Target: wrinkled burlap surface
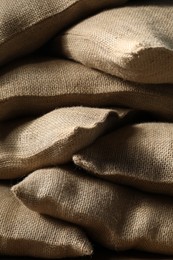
x=85, y=144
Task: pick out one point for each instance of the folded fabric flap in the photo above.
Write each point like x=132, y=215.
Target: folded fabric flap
x=133, y=42
x=27, y=25
x=118, y=217
x=30, y=144
x=137, y=155
x=39, y=85
x=26, y=233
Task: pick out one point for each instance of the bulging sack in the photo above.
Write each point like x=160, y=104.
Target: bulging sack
x=27, y=25
x=39, y=85
x=137, y=155
x=133, y=42
x=30, y=144
x=26, y=233
x=117, y=217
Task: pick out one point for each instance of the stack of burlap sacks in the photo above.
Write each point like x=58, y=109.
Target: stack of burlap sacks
x=86, y=132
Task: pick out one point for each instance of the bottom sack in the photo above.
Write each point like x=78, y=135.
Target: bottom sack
x=117, y=217
x=26, y=233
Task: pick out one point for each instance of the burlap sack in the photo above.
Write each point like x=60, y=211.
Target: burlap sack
x=26, y=233
x=131, y=42
x=117, y=217
x=137, y=155
x=27, y=24
x=38, y=85
x=30, y=144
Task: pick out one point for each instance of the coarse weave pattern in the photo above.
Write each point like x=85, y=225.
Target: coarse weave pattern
x=139, y=155
x=27, y=145
x=26, y=233
x=26, y=25
x=133, y=42
x=39, y=85
x=86, y=127
x=117, y=217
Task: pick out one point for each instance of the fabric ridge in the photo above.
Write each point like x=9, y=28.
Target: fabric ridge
x=27, y=145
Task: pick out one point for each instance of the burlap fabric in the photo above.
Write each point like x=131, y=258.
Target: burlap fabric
x=55, y=111
x=26, y=233
x=136, y=155
x=117, y=217
x=132, y=42
x=26, y=25
x=37, y=85
x=30, y=144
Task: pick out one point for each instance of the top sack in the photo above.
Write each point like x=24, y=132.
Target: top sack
x=27, y=24
x=134, y=42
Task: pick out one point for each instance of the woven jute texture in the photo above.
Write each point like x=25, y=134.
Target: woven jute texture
x=26, y=233
x=117, y=217
x=132, y=42
x=39, y=85
x=27, y=24
x=137, y=155
x=30, y=144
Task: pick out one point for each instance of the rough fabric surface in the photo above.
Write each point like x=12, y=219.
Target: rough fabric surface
x=132, y=42
x=117, y=217
x=27, y=24
x=38, y=85
x=26, y=233
x=52, y=139
x=138, y=155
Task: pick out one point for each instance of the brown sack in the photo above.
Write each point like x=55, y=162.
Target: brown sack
x=138, y=155
x=26, y=233
x=38, y=85
x=52, y=139
x=27, y=24
x=117, y=217
x=132, y=42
